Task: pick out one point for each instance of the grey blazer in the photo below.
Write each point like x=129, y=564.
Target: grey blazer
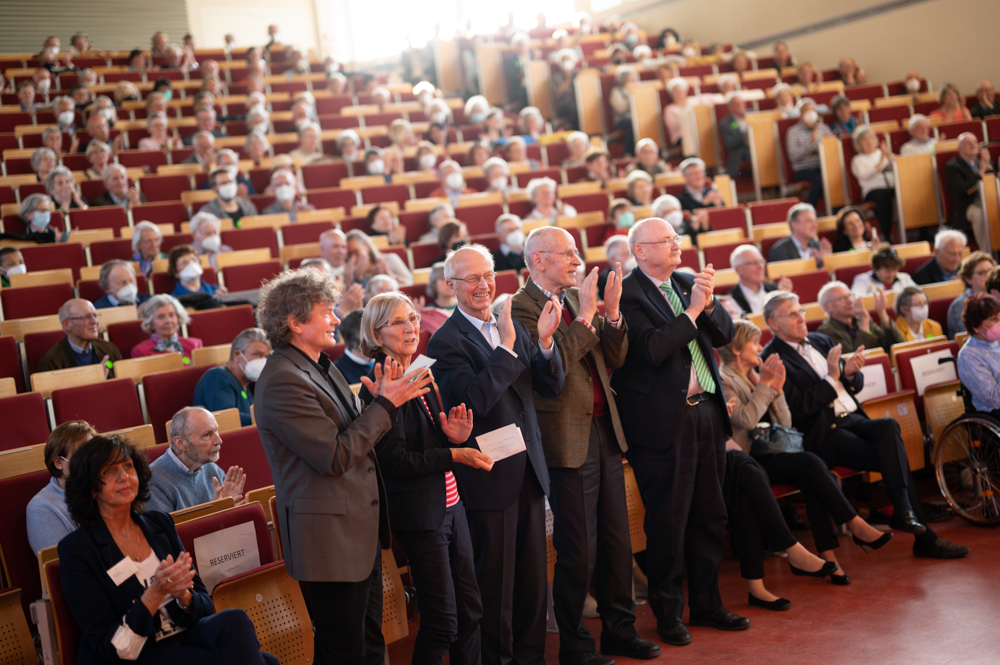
x=752, y=402
x=330, y=501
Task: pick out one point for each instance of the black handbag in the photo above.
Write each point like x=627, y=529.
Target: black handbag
x=769, y=439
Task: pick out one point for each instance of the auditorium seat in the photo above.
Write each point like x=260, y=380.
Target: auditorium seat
x=37, y=345
x=221, y=326
x=386, y=193
x=952, y=130
x=126, y=335
x=166, y=393
x=770, y=212
x=481, y=218
x=249, y=277
x=597, y=202
x=718, y=255
x=165, y=187
x=24, y=419
x=252, y=239
x=21, y=564
x=28, y=301
x=10, y=361
x=53, y=257
x=165, y=212
x=807, y=285
x=101, y=217
x=507, y=282
x=727, y=218
x=164, y=283
x=552, y=172
x=424, y=254
x=242, y=447
x=332, y=197
x=110, y=405
x=190, y=531
x=103, y=251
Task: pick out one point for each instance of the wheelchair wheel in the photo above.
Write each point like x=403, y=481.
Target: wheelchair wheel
x=967, y=463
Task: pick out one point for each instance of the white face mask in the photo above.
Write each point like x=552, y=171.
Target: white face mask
x=688, y=52
x=17, y=270
x=515, y=240
x=212, y=243
x=568, y=65
x=109, y=115
x=454, y=181
x=66, y=118
x=428, y=160
x=913, y=85
x=191, y=272
x=376, y=167
x=438, y=118
x=127, y=293
x=499, y=183
x=284, y=193
x=675, y=218
x=919, y=314
x=43, y=85
x=227, y=192
x=253, y=368
x=300, y=123
x=810, y=117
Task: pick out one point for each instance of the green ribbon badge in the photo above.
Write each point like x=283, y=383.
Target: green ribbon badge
x=186, y=361
x=244, y=393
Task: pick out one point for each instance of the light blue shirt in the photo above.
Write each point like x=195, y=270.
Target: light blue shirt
x=979, y=370
x=494, y=335
x=173, y=486
x=49, y=520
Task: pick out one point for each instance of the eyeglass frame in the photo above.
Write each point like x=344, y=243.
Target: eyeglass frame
x=489, y=277
x=413, y=320
x=93, y=315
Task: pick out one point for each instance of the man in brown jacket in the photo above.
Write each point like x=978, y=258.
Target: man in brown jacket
x=82, y=344
x=583, y=443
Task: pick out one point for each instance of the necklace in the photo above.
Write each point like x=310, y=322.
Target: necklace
x=138, y=546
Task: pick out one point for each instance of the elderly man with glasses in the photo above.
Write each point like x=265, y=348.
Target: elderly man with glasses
x=82, y=344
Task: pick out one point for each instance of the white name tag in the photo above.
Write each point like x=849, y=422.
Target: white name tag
x=122, y=570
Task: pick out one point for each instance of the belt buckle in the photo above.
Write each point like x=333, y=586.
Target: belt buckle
x=696, y=399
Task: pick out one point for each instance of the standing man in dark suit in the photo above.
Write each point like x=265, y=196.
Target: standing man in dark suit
x=804, y=241
x=583, y=442
x=820, y=392
x=320, y=447
x=491, y=364
x=674, y=416
x=963, y=174
x=733, y=132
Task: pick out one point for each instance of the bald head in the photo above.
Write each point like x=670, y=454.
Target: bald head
x=333, y=247
x=552, y=258
x=656, y=247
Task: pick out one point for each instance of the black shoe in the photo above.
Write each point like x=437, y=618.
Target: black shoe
x=673, y=631
x=779, y=605
x=829, y=568
x=940, y=549
x=720, y=619
x=632, y=647
x=583, y=658
x=875, y=544
x=840, y=580
x=906, y=521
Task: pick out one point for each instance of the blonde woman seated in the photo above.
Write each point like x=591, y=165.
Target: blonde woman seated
x=756, y=388
x=912, y=310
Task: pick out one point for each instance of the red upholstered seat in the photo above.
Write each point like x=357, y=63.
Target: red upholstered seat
x=328, y=174
x=165, y=187
x=242, y=447
x=102, y=217
x=385, y=193
x=25, y=422
x=21, y=562
x=248, y=277
x=807, y=285
x=25, y=302
x=770, y=212
x=552, y=172
x=221, y=326
x=106, y=250
x=109, y=405
x=190, y=531
x=424, y=254
x=907, y=380
x=480, y=219
x=507, y=282
x=332, y=197
x=56, y=256
x=67, y=630
x=303, y=234
x=168, y=212
x=10, y=362
x=252, y=239
x=37, y=345
x=126, y=335
x=597, y=202
x=151, y=159
x=718, y=255
x=727, y=218
x=169, y=392
x=951, y=130
x=847, y=275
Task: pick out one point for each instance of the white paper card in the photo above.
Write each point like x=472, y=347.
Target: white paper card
x=122, y=570
x=874, y=383
x=225, y=553
x=418, y=364
x=927, y=371
x=501, y=443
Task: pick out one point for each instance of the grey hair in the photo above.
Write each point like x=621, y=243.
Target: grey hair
x=284, y=172
x=449, y=163
x=30, y=204
x=494, y=162
x=798, y=209
x=577, y=136
x=946, y=236
x=664, y=204
x=541, y=237
x=245, y=339
x=230, y=153
x=525, y=113
x=505, y=218
x=200, y=218
x=824, y=293
x=36, y=157
x=179, y=423
x=163, y=300
x=438, y=208
x=348, y=134
x=138, y=230
x=317, y=263
x=378, y=312
x=622, y=74
x=111, y=168
x=358, y=234
x=256, y=134
x=49, y=131
x=437, y=272
x=106, y=269
x=293, y=294
x=96, y=145
x=905, y=297
x=615, y=240
x=154, y=116
x=376, y=280
x=736, y=257
x=65, y=307
x=914, y=119
x=449, y=262
x=773, y=301
x=205, y=133
x=537, y=183
x=860, y=133
x=56, y=171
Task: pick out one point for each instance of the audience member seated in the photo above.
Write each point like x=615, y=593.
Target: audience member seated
x=52, y=139
x=118, y=192
x=699, y=190
x=82, y=344
x=36, y=212
x=598, y=165
x=333, y=249
x=63, y=190
x=733, y=132
x=165, y=614
x=380, y=284
x=544, y=202
x=310, y=147
x=952, y=109
x=912, y=309
x=453, y=235
x=531, y=123
x=850, y=73
x=381, y=222
x=872, y=166
x=364, y=261
x=442, y=300
x=497, y=175
x=621, y=107
x=43, y=160
x=949, y=248
x=48, y=517
x=492, y=132
x=979, y=357
x=184, y=266
x=784, y=100
x=760, y=416
x=230, y=386
x=987, y=103
x=885, y=275
x=452, y=182
x=227, y=203
x=256, y=147
x=802, y=141
x=205, y=121
x=639, y=188
x=11, y=263
x=668, y=207
x=844, y=123
x=348, y=145
x=99, y=156
x=647, y=155
x=230, y=159
x=510, y=255
x=206, y=228
x=160, y=137
x=753, y=287
x=162, y=320
x=850, y=324
x=853, y=234
x=438, y=215
x=117, y=280
x=921, y=137
x=146, y=241
x=578, y=144
x=621, y=217
x=673, y=114
x=962, y=175
x=353, y=364
x=804, y=241
x=974, y=272
x=26, y=96
x=286, y=192
x=99, y=130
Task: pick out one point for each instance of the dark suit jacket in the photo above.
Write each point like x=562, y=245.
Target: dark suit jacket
x=652, y=385
x=783, y=250
x=503, y=261
x=319, y=446
x=351, y=370
x=810, y=398
x=413, y=458
x=736, y=144
x=688, y=202
x=105, y=302
x=980, y=111
x=500, y=390
x=929, y=273
x=963, y=183
x=61, y=355
x=104, y=199
x=98, y=605
x=565, y=420
x=736, y=293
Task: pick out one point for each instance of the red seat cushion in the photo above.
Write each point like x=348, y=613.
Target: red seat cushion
x=93, y=403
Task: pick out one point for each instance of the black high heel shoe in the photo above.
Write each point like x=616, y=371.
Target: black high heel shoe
x=829, y=568
x=875, y=544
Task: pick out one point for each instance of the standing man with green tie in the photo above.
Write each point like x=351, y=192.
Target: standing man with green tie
x=672, y=409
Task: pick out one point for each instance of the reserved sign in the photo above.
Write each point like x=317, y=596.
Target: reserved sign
x=225, y=553
x=927, y=370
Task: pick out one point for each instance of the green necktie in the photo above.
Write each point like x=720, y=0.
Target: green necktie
x=701, y=369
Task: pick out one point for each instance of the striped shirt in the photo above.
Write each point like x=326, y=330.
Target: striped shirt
x=450, y=486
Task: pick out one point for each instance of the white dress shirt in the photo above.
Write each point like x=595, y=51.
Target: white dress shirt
x=844, y=402
x=754, y=299
x=494, y=335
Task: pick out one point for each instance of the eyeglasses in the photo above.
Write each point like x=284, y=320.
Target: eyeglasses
x=981, y=273
x=88, y=317
x=412, y=319
x=676, y=240
x=795, y=314
x=570, y=254
x=472, y=280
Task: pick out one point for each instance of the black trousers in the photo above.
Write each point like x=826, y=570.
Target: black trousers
x=444, y=574
x=685, y=514
x=592, y=542
x=814, y=177
x=509, y=547
x=826, y=505
x=225, y=638
x=883, y=200
x=347, y=617
x=757, y=515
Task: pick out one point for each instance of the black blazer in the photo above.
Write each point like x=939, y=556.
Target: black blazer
x=104, y=199
x=503, y=261
x=413, y=457
x=963, y=183
x=736, y=293
x=784, y=250
x=98, y=605
x=688, y=202
x=351, y=370
x=810, y=398
x=929, y=273
x=651, y=386
x=499, y=389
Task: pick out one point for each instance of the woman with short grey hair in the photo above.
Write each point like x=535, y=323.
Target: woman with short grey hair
x=257, y=147
x=163, y=320
x=60, y=185
x=36, y=212
x=43, y=160
x=146, y=241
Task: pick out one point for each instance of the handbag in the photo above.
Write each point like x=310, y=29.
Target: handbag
x=769, y=439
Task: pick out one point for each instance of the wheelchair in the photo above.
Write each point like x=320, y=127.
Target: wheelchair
x=966, y=461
